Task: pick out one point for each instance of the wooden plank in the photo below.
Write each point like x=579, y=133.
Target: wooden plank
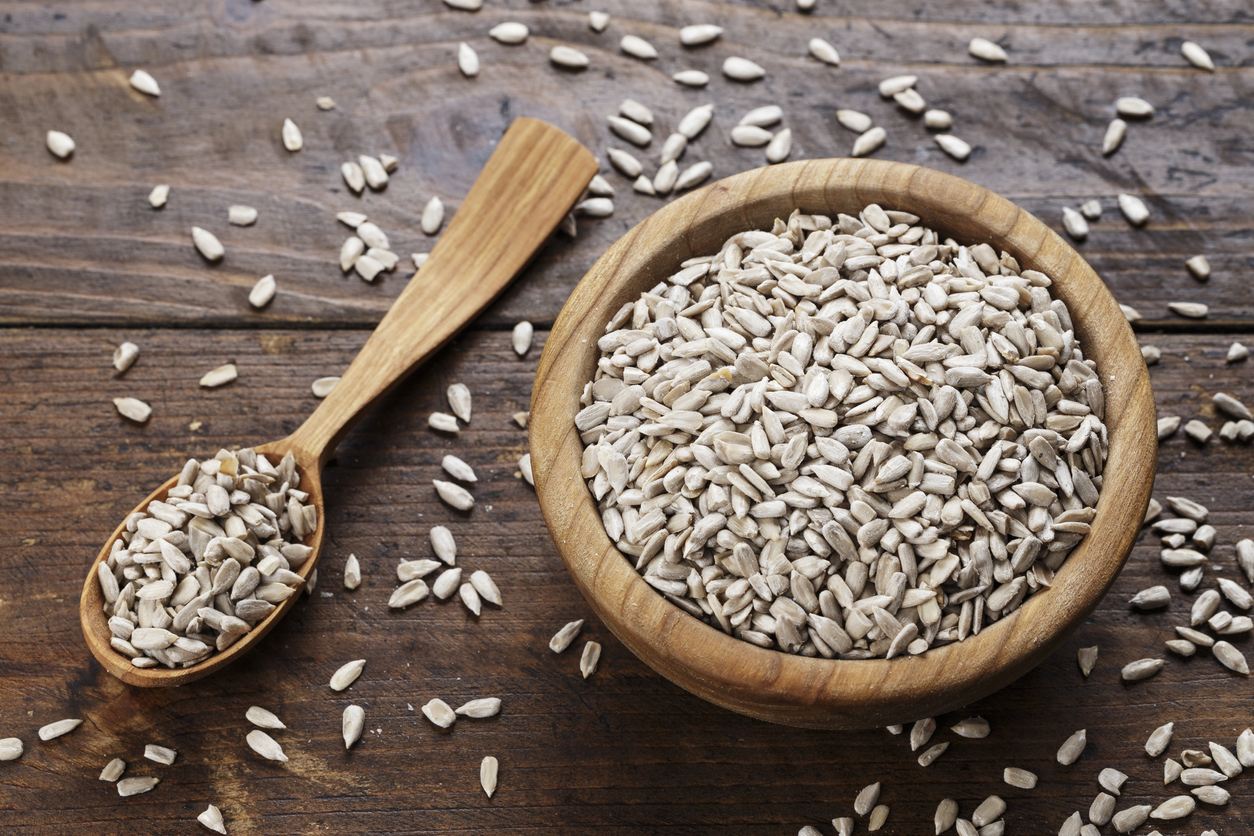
x=624, y=752
x=79, y=243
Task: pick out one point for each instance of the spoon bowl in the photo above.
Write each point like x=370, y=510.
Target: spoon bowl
x=529, y=184
x=817, y=692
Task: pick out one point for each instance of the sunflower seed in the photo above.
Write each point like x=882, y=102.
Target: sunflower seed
x=600, y=187
x=956, y=148
x=522, y=338
x=488, y=771
x=932, y=754
x=352, y=249
x=1130, y=313
x=921, y=732
x=353, y=723
x=1181, y=647
x=419, y=259
x=624, y=162
x=1201, y=777
x=368, y=267
x=989, y=810
x=432, y=216
x=809, y=830
x=241, y=215
x=262, y=292
x=857, y=122
x=1111, y=780
x=695, y=121
x=353, y=176
x=524, y=466
x=963, y=827
x=588, y=661
x=438, y=712
x=1133, y=208
x=60, y=144
x=220, y=376
x=159, y=195
x=946, y=815
x=975, y=728
x=595, y=207
x=1197, y=56
x=265, y=745
x=134, y=786
x=407, y=594
x=446, y=584
x=352, y=572
x=1133, y=106
x=1125, y=821
x=459, y=401
x=565, y=56
x=481, y=708
x=878, y=816
x=509, y=33
x=1075, y=224
x=1159, y=740
x=486, y=587
x=563, y=637
x=212, y=819
x=691, y=78
x=1151, y=354
x=55, y=730
x=986, y=50
x=1021, y=778
x=630, y=131
x=323, y=386
x=1151, y=598
x=443, y=422
x=1072, y=748
x=910, y=100
x=701, y=33
x=937, y=120
x=467, y=60
x=778, y=149
x=160, y=754
x=113, y=769
x=824, y=51
x=1225, y=760
x=458, y=469
x=598, y=21
x=292, y=139
x=145, y=83
x=376, y=177
x=454, y=495
x=664, y=180
x=1245, y=748
x=1236, y=594
x=465, y=5
x=637, y=47
x=124, y=356
x=347, y=674
x=866, y=799
x=208, y=244
x=1113, y=138
x=264, y=719
x=696, y=174
x=1199, y=267
x=1171, y=770
x=408, y=570
x=389, y=162
x=1195, y=757
x=742, y=69
x=869, y=142
x=1230, y=658
x=1212, y=795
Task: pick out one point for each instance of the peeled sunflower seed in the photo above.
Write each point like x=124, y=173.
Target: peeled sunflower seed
x=910, y=100
x=432, y=216
x=1125, y=821
x=866, y=799
x=945, y=817
x=521, y=337
x=857, y=122
x=975, y=728
x=133, y=408
x=352, y=572
x=1159, y=740
x=480, y=708
x=159, y=195
x=488, y=771
x=263, y=291
x=113, y=769
x=350, y=251
x=458, y=469
x=598, y=21
x=259, y=716
x=407, y=594
x=145, y=83
x=933, y=753
x=465, y=5
x=878, y=816
x=212, y=819
x=1199, y=267
x=325, y=103
x=486, y=587
x=953, y=146
x=1021, y=778
x=701, y=33
x=673, y=148
x=869, y=142
x=347, y=674
x=265, y=745
x=1171, y=770
x=1075, y=224
x=509, y=33
x=408, y=570
x=750, y=136
x=742, y=69
x=1133, y=208
x=1201, y=777
x=562, y=639
x=988, y=811
x=241, y=215
x=160, y=754
x=368, y=267
x=60, y=144
x=565, y=56
x=352, y=725
x=695, y=121
x=1231, y=658
x=134, y=786
x=1212, y=795
x=1227, y=762
x=1151, y=598
x=937, y=120
x=292, y=139
x=824, y=52
x=208, y=244
x=595, y=207
x=467, y=60
x=11, y=750
x=454, y=495
x=524, y=466
x=1072, y=747
x=1197, y=56
x=599, y=186
x=124, y=356
x=323, y=386
x=691, y=78
x=1113, y=138
x=624, y=162
x=439, y=712
x=1133, y=106
x=696, y=173
x=220, y=376
x=637, y=47
x=443, y=544
x=353, y=176
x=1111, y=780
x=459, y=401
x=446, y=584
x=986, y=50
x=664, y=180
x=374, y=172
x=588, y=661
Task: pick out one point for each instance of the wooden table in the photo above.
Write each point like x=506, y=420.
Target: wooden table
x=85, y=263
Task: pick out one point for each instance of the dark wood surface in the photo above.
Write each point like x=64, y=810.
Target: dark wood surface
x=85, y=263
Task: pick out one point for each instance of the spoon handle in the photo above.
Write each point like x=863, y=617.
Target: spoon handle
x=530, y=182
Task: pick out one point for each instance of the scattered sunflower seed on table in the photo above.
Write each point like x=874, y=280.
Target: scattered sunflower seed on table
x=212, y=819
x=840, y=440
x=11, y=749
x=563, y=637
x=265, y=745
x=112, y=771
x=263, y=718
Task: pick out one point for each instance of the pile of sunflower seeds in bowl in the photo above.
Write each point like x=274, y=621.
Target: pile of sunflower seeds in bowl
x=196, y=571
x=847, y=438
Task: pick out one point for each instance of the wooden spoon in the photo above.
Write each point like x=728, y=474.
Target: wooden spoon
x=528, y=185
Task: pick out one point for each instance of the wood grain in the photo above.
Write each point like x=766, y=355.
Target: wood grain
x=81, y=245
x=625, y=752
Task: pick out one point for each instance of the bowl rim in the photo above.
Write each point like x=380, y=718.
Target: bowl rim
x=812, y=691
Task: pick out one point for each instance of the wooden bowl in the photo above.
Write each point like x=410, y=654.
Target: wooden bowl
x=816, y=692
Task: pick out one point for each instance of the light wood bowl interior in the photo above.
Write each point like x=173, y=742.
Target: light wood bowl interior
x=816, y=692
